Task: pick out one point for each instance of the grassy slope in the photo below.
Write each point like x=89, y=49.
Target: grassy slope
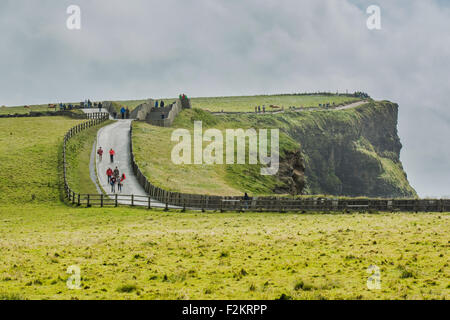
x=29, y=152
x=79, y=151
x=152, y=148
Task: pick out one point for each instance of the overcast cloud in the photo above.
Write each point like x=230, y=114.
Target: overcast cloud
x=139, y=49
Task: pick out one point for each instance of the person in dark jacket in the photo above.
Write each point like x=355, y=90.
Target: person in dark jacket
x=112, y=182
x=246, y=200
x=116, y=173
x=162, y=104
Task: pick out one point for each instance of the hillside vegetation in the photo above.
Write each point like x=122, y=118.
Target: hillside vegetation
x=30, y=153
x=152, y=147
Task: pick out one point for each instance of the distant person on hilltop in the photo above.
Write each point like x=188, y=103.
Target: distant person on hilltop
x=162, y=104
x=100, y=107
x=122, y=112
x=112, y=153
x=127, y=112
x=156, y=104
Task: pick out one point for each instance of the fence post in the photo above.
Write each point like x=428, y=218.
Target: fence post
x=149, y=202
x=88, y=202
x=73, y=197
x=116, y=202
x=101, y=200
x=79, y=198
x=184, y=205
x=132, y=200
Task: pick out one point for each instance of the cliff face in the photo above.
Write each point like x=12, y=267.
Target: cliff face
x=352, y=152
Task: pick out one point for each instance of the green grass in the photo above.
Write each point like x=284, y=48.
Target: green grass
x=78, y=155
x=128, y=253
x=30, y=150
x=22, y=110
x=248, y=103
x=152, y=148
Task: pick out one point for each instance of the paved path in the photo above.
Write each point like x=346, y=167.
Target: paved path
x=117, y=137
x=352, y=105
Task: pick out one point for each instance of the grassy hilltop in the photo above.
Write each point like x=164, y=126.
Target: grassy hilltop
x=132, y=253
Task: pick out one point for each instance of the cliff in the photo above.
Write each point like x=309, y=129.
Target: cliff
x=354, y=152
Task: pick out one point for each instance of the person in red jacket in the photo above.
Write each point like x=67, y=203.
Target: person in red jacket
x=109, y=173
x=112, y=153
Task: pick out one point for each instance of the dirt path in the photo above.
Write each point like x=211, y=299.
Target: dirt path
x=270, y=112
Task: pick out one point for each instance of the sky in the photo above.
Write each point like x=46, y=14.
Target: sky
x=143, y=48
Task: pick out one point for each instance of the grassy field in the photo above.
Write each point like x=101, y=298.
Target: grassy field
x=22, y=110
x=137, y=254
x=248, y=103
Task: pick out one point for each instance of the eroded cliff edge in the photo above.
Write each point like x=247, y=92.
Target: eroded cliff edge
x=353, y=152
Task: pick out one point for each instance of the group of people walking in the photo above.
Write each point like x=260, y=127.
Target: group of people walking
x=114, y=176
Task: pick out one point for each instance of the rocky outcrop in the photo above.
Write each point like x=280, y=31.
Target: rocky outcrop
x=292, y=174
